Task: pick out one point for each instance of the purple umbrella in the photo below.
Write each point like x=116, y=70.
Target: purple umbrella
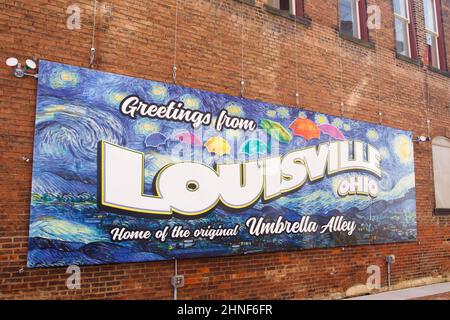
x=155, y=140
x=331, y=131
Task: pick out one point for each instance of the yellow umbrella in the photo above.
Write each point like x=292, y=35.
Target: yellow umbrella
x=217, y=145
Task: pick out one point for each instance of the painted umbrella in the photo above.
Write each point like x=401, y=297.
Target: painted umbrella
x=331, y=131
x=305, y=128
x=217, y=145
x=253, y=146
x=276, y=130
x=155, y=140
x=188, y=138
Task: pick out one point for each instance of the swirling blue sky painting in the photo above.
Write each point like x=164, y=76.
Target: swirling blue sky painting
x=216, y=175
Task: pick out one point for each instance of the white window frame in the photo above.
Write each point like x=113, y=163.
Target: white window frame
x=358, y=24
x=406, y=19
x=357, y=18
x=434, y=34
x=276, y=4
x=292, y=8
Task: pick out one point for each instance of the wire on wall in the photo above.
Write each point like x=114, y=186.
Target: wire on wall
x=425, y=94
x=341, y=71
x=92, y=52
x=426, y=89
x=242, y=83
x=174, y=67
x=377, y=62
x=297, y=94
x=427, y=113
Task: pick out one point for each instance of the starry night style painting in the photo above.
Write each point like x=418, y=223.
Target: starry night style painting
x=133, y=170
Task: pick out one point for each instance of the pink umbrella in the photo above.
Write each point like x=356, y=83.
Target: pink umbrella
x=188, y=138
x=331, y=131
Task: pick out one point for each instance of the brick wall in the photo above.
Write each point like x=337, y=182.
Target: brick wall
x=136, y=38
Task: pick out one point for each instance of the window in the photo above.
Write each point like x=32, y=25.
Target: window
x=441, y=159
x=405, y=35
x=434, y=34
x=353, y=18
x=294, y=7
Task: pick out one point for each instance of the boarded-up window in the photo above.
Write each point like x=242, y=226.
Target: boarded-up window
x=441, y=167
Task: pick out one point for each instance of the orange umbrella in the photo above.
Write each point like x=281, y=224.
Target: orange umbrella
x=305, y=128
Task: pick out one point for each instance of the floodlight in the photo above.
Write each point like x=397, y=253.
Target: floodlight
x=12, y=62
x=30, y=64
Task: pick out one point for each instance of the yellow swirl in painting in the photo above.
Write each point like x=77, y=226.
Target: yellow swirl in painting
x=283, y=112
x=115, y=97
x=403, y=148
x=321, y=119
x=234, y=110
x=63, y=79
x=271, y=113
x=145, y=126
x=337, y=123
x=158, y=92
x=372, y=135
x=191, y=101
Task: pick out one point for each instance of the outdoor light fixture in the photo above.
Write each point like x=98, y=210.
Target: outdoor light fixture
x=421, y=139
x=19, y=71
x=12, y=62
x=30, y=64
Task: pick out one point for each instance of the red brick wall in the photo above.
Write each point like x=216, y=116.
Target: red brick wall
x=135, y=38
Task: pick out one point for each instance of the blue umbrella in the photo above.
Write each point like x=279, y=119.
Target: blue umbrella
x=155, y=140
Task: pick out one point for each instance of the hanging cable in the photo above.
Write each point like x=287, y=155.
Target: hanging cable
x=427, y=102
x=242, y=49
x=377, y=62
x=174, y=67
x=426, y=96
x=297, y=94
x=426, y=89
x=92, y=52
x=341, y=71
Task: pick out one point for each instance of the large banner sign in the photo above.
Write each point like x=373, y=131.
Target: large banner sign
x=128, y=170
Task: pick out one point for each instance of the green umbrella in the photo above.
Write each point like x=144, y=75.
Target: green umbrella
x=276, y=130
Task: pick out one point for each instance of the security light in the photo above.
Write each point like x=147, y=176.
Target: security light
x=30, y=64
x=12, y=62
x=421, y=139
x=19, y=71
